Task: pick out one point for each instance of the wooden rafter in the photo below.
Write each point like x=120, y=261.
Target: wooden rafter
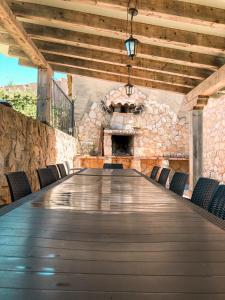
x=116, y=69
x=208, y=87
x=115, y=59
x=169, y=9
x=106, y=25
x=92, y=45
x=120, y=70
x=6, y=38
x=113, y=77
x=15, y=29
x=97, y=42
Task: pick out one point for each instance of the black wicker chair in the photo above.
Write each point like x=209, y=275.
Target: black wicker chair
x=113, y=166
x=19, y=185
x=178, y=183
x=45, y=176
x=163, y=176
x=154, y=172
x=55, y=171
x=204, y=192
x=217, y=206
x=62, y=170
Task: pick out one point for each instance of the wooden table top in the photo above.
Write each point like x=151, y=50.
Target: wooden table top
x=104, y=234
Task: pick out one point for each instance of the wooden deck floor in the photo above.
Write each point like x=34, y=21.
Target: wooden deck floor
x=104, y=234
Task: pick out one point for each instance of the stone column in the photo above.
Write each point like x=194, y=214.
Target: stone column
x=44, y=95
x=107, y=143
x=196, y=141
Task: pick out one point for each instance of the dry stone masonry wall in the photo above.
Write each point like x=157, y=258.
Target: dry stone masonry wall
x=26, y=144
x=214, y=139
x=159, y=131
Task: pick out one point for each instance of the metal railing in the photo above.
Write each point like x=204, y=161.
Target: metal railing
x=62, y=110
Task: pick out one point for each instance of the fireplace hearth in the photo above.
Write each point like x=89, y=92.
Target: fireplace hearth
x=122, y=145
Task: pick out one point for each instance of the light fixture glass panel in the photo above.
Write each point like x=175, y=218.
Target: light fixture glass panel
x=131, y=47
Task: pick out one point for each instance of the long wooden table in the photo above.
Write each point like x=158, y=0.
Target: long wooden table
x=109, y=234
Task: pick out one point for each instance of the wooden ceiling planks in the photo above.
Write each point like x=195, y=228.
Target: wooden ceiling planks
x=116, y=59
x=88, y=42
x=117, y=27
x=169, y=9
x=59, y=67
x=115, y=45
x=15, y=29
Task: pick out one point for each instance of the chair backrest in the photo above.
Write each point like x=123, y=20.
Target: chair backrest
x=19, y=185
x=154, y=172
x=55, y=171
x=217, y=206
x=204, y=192
x=164, y=176
x=113, y=166
x=178, y=183
x=67, y=165
x=45, y=176
x=62, y=170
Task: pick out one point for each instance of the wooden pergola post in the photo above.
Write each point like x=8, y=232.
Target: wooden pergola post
x=196, y=141
x=70, y=85
x=44, y=95
x=16, y=30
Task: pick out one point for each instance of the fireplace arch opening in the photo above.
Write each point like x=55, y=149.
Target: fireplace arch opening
x=122, y=145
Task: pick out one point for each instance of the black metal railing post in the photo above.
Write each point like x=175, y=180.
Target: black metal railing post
x=62, y=110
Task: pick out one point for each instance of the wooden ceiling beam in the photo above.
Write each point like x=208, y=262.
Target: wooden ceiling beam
x=173, y=10
x=69, y=37
x=202, y=101
x=208, y=87
x=117, y=69
x=115, y=58
x=106, y=25
x=112, y=77
x=2, y=29
x=5, y=38
x=17, y=32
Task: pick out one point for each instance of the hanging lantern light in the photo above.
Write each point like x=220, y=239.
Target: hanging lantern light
x=131, y=46
x=129, y=87
x=131, y=43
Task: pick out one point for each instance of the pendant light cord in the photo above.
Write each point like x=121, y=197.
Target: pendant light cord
x=131, y=25
x=128, y=5
x=132, y=16
x=129, y=68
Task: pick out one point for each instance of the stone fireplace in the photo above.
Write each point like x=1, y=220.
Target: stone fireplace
x=122, y=145
x=151, y=131
x=138, y=132
x=118, y=142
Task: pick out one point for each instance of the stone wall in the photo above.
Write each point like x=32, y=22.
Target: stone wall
x=88, y=90
x=90, y=130
x=26, y=144
x=214, y=139
x=158, y=131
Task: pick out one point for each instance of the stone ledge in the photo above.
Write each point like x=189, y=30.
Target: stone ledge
x=120, y=132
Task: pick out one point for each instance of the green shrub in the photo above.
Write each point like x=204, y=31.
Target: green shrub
x=23, y=102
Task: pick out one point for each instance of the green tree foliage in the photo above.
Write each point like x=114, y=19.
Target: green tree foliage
x=24, y=102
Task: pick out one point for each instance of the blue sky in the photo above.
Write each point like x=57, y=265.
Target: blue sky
x=12, y=73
